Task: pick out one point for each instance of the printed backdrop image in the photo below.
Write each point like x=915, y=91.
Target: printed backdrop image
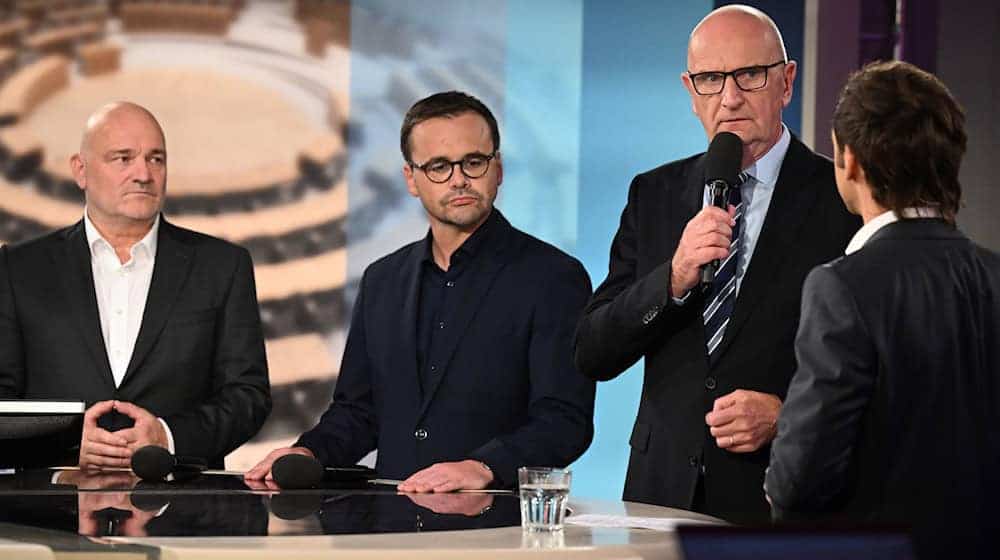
x=254, y=100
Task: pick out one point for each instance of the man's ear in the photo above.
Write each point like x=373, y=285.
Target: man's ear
x=789, y=71
x=686, y=81
x=852, y=168
x=499, y=165
x=79, y=169
x=411, y=184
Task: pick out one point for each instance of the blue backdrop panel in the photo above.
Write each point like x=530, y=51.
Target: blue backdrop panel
x=635, y=115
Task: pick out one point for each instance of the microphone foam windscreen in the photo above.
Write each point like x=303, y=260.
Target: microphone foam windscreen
x=722, y=162
x=297, y=471
x=152, y=462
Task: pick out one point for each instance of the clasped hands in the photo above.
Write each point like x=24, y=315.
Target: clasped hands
x=744, y=421
x=100, y=448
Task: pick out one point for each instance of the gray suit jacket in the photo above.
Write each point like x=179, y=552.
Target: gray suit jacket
x=892, y=415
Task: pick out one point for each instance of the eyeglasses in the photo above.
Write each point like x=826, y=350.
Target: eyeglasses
x=750, y=78
x=439, y=170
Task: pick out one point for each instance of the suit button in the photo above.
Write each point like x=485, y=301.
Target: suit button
x=650, y=315
x=693, y=461
x=710, y=383
x=420, y=434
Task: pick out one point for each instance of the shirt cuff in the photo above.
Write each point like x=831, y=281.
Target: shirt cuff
x=681, y=300
x=170, y=436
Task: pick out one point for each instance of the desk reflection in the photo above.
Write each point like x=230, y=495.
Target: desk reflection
x=116, y=503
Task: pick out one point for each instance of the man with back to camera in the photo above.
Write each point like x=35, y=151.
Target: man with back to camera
x=156, y=327
x=891, y=416
x=458, y=366
x=718, y=361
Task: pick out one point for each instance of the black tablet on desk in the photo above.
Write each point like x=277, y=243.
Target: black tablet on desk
x=34, y=432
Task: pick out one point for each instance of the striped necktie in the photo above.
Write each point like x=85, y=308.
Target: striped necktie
x=721, y=296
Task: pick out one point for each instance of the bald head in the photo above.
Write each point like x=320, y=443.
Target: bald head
x=111, y=116
x=737, y=45
x=122, y=169
x=742, y=22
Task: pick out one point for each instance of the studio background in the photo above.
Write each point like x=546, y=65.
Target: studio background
x=282, y=120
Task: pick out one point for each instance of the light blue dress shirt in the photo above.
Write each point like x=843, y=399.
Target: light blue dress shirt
x=756, y=194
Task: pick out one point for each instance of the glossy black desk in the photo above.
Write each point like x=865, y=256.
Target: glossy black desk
x=220, y=516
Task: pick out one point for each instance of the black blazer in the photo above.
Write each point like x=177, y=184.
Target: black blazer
x=508, y=396
x=892, y=415
x=199, y=358
x=632, y=316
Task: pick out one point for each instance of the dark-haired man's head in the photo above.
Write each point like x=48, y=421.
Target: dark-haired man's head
x=899, y=133
x=445, y=104
x=450, y=144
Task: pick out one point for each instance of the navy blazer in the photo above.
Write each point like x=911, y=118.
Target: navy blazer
x=199, y=358
x=632, y=316
x=509, y=395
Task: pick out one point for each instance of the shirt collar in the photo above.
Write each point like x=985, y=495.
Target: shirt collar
x=878, y=222
x=472, y=245
x=95, y=239
x=765, y=170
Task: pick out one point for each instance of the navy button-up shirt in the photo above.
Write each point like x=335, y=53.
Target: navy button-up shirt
x=441, y=295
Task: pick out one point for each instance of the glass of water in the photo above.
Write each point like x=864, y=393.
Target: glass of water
x=544, y=492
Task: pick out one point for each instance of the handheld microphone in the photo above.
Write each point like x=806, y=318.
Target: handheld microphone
x=154, y=463
x=294, y=471
x=722, y=169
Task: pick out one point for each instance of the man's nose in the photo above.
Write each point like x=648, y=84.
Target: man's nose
x=458, y=179
x=731, y=93
x=142, y=173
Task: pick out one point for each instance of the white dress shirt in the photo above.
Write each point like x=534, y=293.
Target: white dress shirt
x=121, y=291
x=878, y=222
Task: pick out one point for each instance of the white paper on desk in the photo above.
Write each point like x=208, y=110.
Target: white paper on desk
x=630, y=522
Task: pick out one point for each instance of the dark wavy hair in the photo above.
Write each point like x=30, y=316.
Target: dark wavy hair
x=908, y=134
x=444, y=104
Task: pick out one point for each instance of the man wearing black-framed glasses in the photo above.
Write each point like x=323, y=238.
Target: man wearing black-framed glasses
x=718, y=360
x=459, y=362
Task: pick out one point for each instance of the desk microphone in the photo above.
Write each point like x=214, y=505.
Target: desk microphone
x=154, y=463
x=722, y=170
x=297, y=471
x=294, y=471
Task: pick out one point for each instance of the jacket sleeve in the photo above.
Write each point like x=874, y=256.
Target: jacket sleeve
x=241, y=396
x=348, y=430
x=820, y=420
x=560, y=422
x=627, y=312
x=11, y=349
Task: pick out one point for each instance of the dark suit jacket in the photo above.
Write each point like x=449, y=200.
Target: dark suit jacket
x=632, y=316
x=199, y=358
x=892, y=415
x=508, y=396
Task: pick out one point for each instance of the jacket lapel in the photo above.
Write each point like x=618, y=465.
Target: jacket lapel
x=481, y=276
x=410, y=284
x=173, y=264
x=786, y=214
x=78, y=282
